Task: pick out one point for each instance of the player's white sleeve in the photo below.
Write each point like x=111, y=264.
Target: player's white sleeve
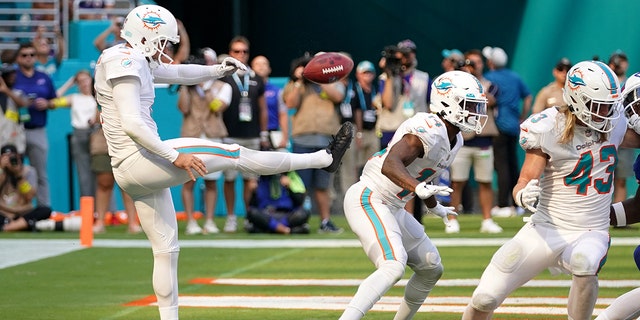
x=126, y=96
x=187, y=74
x=533, y=129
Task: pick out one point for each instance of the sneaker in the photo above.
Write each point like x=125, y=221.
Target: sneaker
x=503, y=212
x=210, y=227
x=193, y=228
x=329, y=227
x=46, y=225
x=452, y=227
x=489, y=226
x=339, y=145
x=303, y=229
x=231, y=225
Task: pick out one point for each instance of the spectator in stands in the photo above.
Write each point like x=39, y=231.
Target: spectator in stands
x=451, y=59
x=17, y=189
x=367, y=142
x=476, y=153
x=246, y=120
x=277, y=206
x=105, y=181
x=110, y=36
x=202, y=106
x=83, y=107
x=311, y=127
x=278, y=113
x=513, y=105
x=11, y=128
x=8, y=56
x=551, y=94
x=48, y=59
x=39, y=88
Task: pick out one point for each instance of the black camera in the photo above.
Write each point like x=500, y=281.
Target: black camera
x=13, y=160
x=393, y=61
x=459, y=64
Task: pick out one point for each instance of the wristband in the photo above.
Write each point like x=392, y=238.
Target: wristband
x=621, y=216
x=264, y=135
x=215, y=105
x=59, y=102
x=25, y=187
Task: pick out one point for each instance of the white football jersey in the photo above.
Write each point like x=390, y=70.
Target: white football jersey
x=438, y=156
x=119, y=61
x=577, y=182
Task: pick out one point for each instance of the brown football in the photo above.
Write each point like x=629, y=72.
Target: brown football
x=328, y=67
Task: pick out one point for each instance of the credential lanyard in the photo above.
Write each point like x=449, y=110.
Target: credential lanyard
x=363, y=102
x=244, y=89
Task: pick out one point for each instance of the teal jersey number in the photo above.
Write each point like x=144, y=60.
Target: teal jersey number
x=581, y=174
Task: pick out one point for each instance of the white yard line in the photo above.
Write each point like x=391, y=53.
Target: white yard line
x=522, y=305
x=18, y=251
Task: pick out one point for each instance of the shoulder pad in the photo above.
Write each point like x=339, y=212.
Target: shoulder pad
x=535, y=126
x=541, y=122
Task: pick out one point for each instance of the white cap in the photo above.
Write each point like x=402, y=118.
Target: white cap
x=496, y=55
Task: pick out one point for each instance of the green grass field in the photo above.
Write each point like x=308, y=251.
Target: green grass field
x=109, y=283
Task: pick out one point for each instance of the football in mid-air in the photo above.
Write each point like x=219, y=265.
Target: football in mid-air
x=328, y=67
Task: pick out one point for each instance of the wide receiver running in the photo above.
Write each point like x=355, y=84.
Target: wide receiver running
x=420, y=150
x=146, y=166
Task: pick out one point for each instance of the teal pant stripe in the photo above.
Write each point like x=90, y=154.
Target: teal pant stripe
x=377, y=225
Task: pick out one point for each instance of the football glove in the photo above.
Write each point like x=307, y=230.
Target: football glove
x=228, y=66
x=424, y=190
x=442, y=212
x=634, y=123
x=528, y=196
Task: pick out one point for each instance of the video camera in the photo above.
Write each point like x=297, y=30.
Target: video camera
x=459, y=64
x=393, y=61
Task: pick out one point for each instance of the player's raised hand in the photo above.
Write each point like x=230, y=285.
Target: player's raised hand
x=189, y=162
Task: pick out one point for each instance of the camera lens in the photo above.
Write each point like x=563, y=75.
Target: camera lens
x=13, y=160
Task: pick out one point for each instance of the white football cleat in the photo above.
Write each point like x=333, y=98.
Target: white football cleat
x=452, y=227
x=489, y=226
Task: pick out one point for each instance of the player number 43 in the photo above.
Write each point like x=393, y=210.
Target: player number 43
x=581, y=174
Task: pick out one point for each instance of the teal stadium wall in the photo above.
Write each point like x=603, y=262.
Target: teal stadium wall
x=535, y=34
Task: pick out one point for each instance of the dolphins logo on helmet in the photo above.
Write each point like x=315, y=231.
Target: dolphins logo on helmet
x=459, y=98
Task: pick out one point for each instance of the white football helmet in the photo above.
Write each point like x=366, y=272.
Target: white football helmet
x=592, y=92
x=148, y=28
x=631, y=101
x=459, y=98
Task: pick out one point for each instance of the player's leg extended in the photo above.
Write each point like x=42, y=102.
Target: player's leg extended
x=381, y=240
x=158, y=219
x=424, y=260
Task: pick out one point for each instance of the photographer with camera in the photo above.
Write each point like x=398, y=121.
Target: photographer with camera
x=404, y=88
x=17, y=189
x=102, y=41
x=404, y=91
x=202, y=106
